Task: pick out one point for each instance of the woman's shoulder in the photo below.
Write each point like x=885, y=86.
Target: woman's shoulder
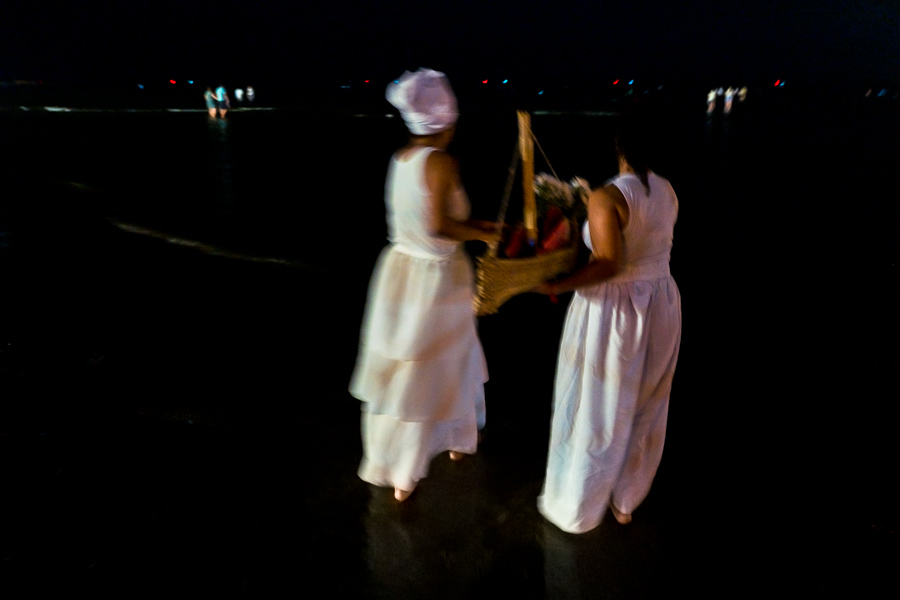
x=438, y=161
x=660, y=180
x=609, y=194
x=409, y=153
x=623, y=179
x=623, y=183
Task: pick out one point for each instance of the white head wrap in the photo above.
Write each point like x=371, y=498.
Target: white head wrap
x=425, y=101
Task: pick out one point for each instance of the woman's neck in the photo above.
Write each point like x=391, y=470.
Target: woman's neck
x=626, y=169
x=429, y=141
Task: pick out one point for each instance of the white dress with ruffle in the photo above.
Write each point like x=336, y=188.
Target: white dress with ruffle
x=421, y=370
x=614, y=373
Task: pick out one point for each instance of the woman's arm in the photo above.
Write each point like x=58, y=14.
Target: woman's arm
x=442, y=176
x=607, y=214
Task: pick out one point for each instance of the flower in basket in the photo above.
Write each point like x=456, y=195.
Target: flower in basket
x=559, y=213
x=556, y=200
x=581, y=188
x=550, y=191
x=556, y=231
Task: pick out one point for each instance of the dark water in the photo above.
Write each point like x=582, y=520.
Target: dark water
x=221, y=268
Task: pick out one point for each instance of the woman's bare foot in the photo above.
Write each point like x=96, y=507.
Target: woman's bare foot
x=621, y=517
x=401, y=495
x=456, y=455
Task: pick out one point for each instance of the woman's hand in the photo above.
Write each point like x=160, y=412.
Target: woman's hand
x=547, y=288
x=489, y=230
x=492, y=225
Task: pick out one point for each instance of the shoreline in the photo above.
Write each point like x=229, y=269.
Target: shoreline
x=369, y=98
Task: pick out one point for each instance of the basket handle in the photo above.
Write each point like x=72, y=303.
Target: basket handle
x=526, y=149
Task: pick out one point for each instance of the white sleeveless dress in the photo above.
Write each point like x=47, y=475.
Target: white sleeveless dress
x=421, y=369
x=614, y=373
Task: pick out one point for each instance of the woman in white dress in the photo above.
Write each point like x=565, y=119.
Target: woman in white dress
x=618, y=351
x=421, y=370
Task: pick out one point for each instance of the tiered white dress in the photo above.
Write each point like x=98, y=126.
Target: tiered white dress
x=421, y=369
x=614, y=374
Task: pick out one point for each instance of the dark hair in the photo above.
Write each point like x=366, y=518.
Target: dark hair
x=633, y=141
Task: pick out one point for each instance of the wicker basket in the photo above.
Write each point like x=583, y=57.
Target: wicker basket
x=499, y=279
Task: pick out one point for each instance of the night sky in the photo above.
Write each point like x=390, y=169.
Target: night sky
x=812, y=41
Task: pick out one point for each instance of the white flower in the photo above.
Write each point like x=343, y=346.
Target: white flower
x=581, y=187
x=551, y=191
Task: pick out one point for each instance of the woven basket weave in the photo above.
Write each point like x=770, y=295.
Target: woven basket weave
x=499, y=279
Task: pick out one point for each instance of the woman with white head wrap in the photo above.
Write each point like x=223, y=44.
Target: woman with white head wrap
x=425, y=101
x=420, y=371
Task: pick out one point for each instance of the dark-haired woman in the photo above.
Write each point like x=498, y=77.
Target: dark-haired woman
x=618, y=351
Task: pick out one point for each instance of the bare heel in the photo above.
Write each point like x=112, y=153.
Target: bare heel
x=621, y=517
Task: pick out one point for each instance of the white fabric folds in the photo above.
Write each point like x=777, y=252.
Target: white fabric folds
x=613, y=379
x=420, y=358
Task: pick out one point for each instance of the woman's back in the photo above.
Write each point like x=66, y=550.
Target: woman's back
x=651, y=221
x=410, y=206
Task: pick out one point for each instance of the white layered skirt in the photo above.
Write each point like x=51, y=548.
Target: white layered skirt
x=421, y=369
x=614, y=375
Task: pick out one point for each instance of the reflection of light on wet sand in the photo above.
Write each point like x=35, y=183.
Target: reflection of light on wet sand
x=210, y=249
